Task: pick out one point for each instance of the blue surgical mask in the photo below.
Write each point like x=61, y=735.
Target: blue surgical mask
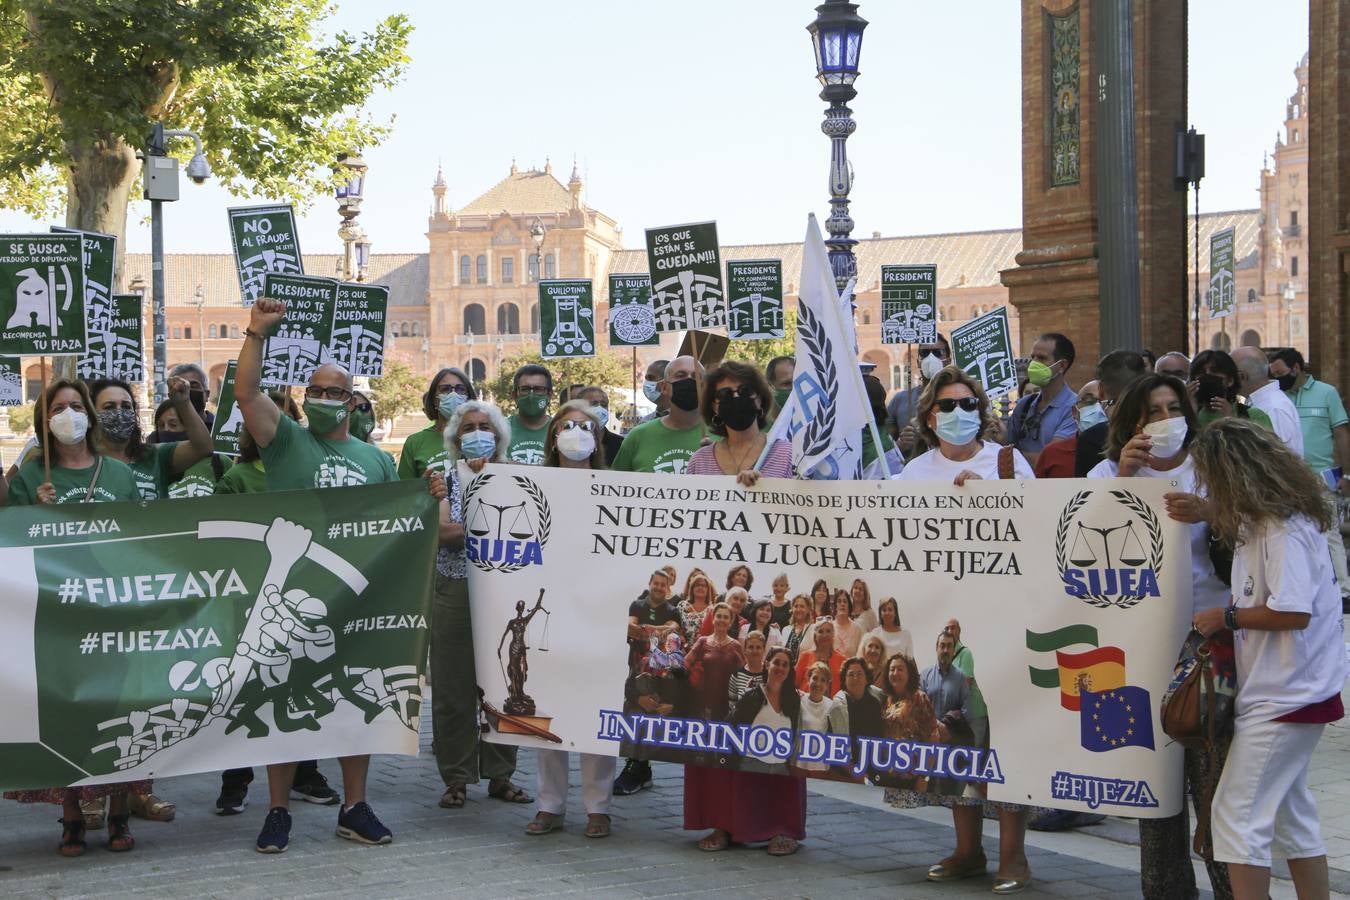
x=602, y=414
x=477, y=444
x=652, y=390
x=449, y=403
x=958, y=426
x=1090, y=415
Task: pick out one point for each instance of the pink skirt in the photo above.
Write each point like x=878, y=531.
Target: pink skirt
x=749, y=806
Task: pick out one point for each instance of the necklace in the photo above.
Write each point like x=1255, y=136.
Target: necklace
x=738, y=462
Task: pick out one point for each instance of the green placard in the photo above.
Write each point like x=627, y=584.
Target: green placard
x=299, y=345
x=1222, y=295
x=358, y=328
x=686, y=268
x=116, y=341
x=100, y=260
x=229, y=420
x=566, y=318
x=982, y=348
x=42, y=303
x=632, y=323
x=11, y=381
x=265, y=240
x=754, y=299
x=909, y=304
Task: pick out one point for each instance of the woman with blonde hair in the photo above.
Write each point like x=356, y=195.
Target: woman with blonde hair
x=698, y=597
x=1285, y=617
x=860, y=597
x=889, y=631
x=796, y=633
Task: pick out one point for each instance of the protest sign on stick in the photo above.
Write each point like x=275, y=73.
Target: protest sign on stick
x=42, y=295
x=265, y=240
x=358, y=328
x=755, y=299
x=982, y=348
x=300, y=343
x=116, y=341
x=908, y=304
x=632, y=321
x=566, y=318
x=686, y=267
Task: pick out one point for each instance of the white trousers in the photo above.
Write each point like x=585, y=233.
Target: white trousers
x=597, y=781
x=1336, y=546
x=1263, y=801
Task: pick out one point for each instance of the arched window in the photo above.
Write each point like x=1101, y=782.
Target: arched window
x=508, y=270
x=482, y=269
x=1221, y=341
x=508, y=319
x=465, y=269
x=1251, y=338
x=475, y=321
x=867, y=317
x=407, y=330
x=532, y=266
x=224, y=329
x=417, y=329
x=477, y=370
x=550, y=267
x=187, y=332
x=234, y=331
x=211, y=331
x=534, y=318
x=1251, y=295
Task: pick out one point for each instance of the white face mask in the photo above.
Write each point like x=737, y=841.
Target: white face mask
x=930, y=365
x=576, y=444
x=1168, y=436
x=69, y=426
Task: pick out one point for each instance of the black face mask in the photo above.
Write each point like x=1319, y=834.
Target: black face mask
x=1287, y=381
x=198, y=401
x=684, y=394
x=167, y=437
x=738, y=413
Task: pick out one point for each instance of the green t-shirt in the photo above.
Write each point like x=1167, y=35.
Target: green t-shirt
x=1254, y=415
x=199, y=480
x=115, y=482
x=422, y=449
x=1320, y=412
x=652, y=447
x=154, y=469
x=964, y=662
x=527, y=444
x=298, y=460
x=243, y=478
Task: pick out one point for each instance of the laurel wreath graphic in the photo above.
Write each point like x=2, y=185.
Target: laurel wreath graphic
x=811, y=332
x=541, y=509
x=1135, y=505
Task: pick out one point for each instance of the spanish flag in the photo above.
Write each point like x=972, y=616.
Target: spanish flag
x=1097, y=670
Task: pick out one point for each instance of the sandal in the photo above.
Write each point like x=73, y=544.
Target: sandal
x=543, y=823
x=454, y=796
x=718, y=840
x=782, y=845
x=597, y=825
x=72, y=837
x=148, y=806
x=502, y=789
x=119, y=834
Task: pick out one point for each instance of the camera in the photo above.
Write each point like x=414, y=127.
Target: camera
x=198, y=170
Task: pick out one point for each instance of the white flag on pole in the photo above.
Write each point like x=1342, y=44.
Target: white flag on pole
x=827, y=411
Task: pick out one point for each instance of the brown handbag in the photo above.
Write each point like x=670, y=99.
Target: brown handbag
x=1190, y=716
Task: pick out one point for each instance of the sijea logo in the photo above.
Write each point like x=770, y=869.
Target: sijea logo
x=1109, y=554
x=507, y=522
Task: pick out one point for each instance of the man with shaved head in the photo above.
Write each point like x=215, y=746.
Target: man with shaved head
x=1264, y=393
x=665, y=444
x=323, y=455
x=1175, y=364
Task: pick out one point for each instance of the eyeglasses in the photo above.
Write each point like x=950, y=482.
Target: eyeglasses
x=573, y=425
x=932, y=351
x=524, y=389
x=315, y=392
x=453, y=389
x=1175, y=373
x=949, y=404
x=726, y=394
x=365, y=407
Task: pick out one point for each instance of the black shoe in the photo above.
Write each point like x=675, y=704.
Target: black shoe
x=313, y=788
x=360, y=824
x=1063, y=820
x=232, y=800
x=636, y=776
x=276, y=831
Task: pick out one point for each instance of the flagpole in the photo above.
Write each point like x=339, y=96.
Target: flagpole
x=47, y=427
x=846, y=326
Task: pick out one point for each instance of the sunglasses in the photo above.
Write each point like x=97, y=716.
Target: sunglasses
x=453, y=389
x=314, y=392
x=931, y=351
x=726, y=394
x=949, y=404
x=573, y=425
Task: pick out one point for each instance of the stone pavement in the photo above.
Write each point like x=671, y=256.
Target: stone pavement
x=855, y=847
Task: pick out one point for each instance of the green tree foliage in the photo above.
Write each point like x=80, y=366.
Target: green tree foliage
x=274, y=97
x=760, y=352
x=610, y=370
x=399, y=391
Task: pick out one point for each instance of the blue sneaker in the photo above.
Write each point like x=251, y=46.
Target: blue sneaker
x=358, y=823
x=276, y=831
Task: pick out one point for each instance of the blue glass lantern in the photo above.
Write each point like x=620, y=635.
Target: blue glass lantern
x=837, y=36
x=353, y=168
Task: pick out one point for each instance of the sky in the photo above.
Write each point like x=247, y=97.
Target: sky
x=707, y=109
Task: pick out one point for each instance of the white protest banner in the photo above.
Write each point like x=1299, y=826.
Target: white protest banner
x=1072, y=597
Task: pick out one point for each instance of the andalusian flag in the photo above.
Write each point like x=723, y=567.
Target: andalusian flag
x=1098, y=669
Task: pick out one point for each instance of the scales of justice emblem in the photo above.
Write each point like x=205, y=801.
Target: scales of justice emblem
x=1131, y=551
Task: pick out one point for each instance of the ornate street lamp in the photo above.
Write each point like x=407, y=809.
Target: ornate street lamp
x=837, y=36
x=351, y=168
x=537, y=231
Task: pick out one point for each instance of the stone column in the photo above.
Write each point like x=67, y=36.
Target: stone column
x=1329, y=191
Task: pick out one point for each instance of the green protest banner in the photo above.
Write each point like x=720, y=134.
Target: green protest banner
x=100, y=260
x=300, y=343
x=11, y=381
x=265, y=240
x=358, y=328
x=116, y=348
x=212, y=633
x=754, y=299
x=1222, y=295
x=42, y=295
x=686, y=267
x=982, y=348
x=229, y=424
x=566, y=318
x=908, y=304
x=632, y=323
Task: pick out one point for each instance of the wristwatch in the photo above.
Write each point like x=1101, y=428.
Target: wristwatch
x=1230, y=618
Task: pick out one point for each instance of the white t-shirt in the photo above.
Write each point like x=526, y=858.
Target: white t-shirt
x=777, y=721
x=933, y=466
x=847, y=637
x=1283, y=414
x=1207, y=591
x=1286, y=567
x=894, y=641
x=815, y=717
x=866, y=620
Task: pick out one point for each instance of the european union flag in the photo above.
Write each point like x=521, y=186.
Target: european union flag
x=1120, y=717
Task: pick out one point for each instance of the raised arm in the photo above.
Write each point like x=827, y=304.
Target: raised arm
x=198, y=446
x=261, y=415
